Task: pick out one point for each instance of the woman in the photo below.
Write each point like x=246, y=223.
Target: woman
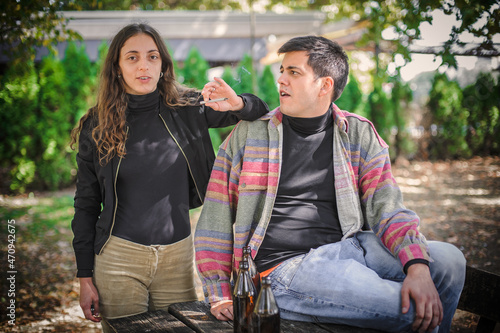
x=144, y=160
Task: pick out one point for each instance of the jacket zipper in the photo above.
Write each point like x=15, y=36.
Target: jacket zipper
x=185, y=157
x=116, y=201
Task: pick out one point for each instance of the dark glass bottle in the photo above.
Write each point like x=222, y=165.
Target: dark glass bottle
x=244, y=295
x=252, y=268
x=266, y=314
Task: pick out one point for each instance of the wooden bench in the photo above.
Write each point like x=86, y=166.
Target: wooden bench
x=481, y=296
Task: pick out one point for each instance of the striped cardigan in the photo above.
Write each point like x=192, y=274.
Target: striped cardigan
x=243, y=186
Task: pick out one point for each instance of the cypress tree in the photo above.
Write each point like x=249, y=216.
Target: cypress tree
x=268, y=89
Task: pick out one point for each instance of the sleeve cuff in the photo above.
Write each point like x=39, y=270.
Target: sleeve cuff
x=415, y=261
x=81, y=273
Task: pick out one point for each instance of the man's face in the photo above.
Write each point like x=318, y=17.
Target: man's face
x=299, y=89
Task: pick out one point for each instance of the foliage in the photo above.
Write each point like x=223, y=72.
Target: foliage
x=482, y=101
x=27, y=24
x=78, y=70
x=158, y=5
x=351, y=97
x=380, y=111
x=268, y=90
x=245, y=76
x=41, y=105
x=228, y=77
x=195, y=69
x=19, y=103
x=401, y=96
x=449, y=119
x=54, y=160
x=479, y=18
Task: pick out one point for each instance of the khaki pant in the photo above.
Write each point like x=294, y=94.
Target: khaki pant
x=132, y=278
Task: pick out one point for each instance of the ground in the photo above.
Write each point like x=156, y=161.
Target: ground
x=458, y=202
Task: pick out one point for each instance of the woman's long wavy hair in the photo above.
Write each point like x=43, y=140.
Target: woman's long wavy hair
x=108, y=114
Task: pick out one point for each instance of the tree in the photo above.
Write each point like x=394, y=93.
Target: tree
x=195, y=69
x=380, y=111
x=159, y=5
x=352, y=96
x=27, y=24
x=19, y=103
x=53, y=158
x=401, y=96
x=403, y=17
x=244, y=76
x=268, y=90
x=482, y=101
x=78, y=69
x=449, y=119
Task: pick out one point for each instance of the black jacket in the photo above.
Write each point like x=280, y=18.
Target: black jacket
x=95, y=197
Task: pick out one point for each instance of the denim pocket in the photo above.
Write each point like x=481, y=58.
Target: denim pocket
x=285, y=272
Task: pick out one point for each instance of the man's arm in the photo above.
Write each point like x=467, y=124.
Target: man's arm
x=214, y=231
x=397, y=227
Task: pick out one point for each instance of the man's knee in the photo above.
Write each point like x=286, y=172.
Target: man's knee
x=448, y=261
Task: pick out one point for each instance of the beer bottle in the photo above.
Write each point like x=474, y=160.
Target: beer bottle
x=266, y=314
x=252, y=268
x=244, y=295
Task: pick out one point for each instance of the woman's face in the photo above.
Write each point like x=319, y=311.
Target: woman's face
x=140, y=65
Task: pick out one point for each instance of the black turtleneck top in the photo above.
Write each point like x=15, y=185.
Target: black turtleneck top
x=152, y=181
x=305, y=211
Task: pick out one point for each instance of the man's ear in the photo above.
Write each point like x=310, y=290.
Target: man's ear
x=327, y=86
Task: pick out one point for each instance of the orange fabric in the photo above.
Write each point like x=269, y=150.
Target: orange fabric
x=267, y=272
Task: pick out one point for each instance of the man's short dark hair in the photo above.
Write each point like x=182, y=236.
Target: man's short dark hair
x=326, y=57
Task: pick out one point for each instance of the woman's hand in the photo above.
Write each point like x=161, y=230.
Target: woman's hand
x=89, y=300
x=220, y=89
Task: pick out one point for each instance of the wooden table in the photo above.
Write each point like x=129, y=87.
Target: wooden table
x=192, y=317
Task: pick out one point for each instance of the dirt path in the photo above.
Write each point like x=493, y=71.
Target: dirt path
x=458, y=202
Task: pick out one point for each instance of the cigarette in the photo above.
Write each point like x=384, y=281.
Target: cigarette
x=214, y=100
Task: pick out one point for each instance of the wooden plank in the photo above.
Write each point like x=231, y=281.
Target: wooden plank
x=151, y=322
x=197, y=316
x=481, y=294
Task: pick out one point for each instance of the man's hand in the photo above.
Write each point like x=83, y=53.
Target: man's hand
x=89, y=299
x=220, y=89
x=419, y=286
x=222, y=310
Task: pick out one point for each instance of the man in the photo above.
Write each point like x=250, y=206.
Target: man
x=309, y=188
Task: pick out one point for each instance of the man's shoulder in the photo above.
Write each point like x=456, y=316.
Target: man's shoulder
x=361, y=129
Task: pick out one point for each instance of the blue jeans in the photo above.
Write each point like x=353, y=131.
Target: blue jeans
x=358, y=282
